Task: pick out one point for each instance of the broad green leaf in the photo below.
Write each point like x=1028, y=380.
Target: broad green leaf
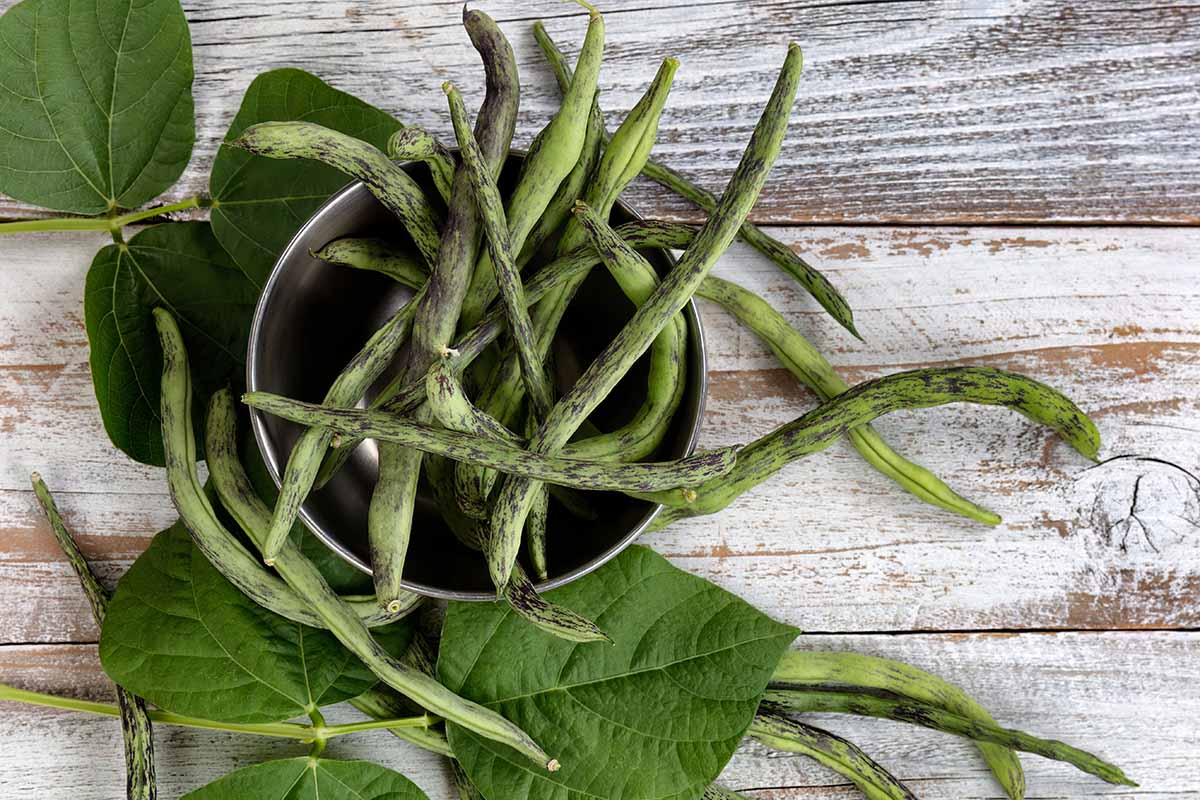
x=655, y=715
x=261, y=202
x=180, y=635
x=310, y=779
x=181, y=266
x=95, y=102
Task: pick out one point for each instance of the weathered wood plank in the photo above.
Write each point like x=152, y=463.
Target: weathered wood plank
x=1022, y=110
x=1126, y=696
x=1106, y=315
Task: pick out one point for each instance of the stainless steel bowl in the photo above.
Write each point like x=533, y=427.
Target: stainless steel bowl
x=312, y=317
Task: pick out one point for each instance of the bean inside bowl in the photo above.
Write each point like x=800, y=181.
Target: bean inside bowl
x=313, y=317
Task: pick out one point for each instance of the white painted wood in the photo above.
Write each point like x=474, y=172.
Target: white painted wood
x=1129, y=697
x=971, y=111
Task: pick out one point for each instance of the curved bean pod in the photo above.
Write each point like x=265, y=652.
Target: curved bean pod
x=618, y=165
x=805, y=669
x=358, y=159
x=136, y=730
x=499, y=240
x=252, y=514
x=843, y=757
x=304, y=461
x=219, y=546
x=454, y=409
x=389, y=518
x=641, y=477
x=411, y=143
x=790, y=262
x=666, y=381
x=814, y=371
x=901, y=710
x=375, y=255
x=405, y=394
x=919, y=388
x=551, y=157
x=667, y=300
x=299, y=575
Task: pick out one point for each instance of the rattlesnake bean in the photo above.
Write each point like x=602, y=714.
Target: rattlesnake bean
x=411, y=143
x=389, y=518
x=814, y=371
x=920, y=388
x=508, y=277
x=375, y=255
x=302, y=578
x=668, y=299
x=388, y=182
x=551, y=157
x=136, y=731
x=793, y=264
x=599, y=475
x=903, y=710
x=843, y=757
x=305, y=458
x=806, y=669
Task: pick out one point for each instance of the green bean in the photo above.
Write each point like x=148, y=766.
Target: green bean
x=790, y=262
x=378, y=704
x=303, y=578
x=550, y=223
x=519, y=592
x=619, y=165
x=405, y=394
x=375, y=255
x=868, y=704
x=716, y=791
x=389, y=517
x=813, y=370
x=135, y=719
x=535, y=533
x=808, y=669
x=508, y=277
x=454, y=409
x=411, y=143
x=253, y=516
x=462, y=783
x=217, y=544
x=358, y=159
x=305, y=458
x=551, y=157
x=834, y=752
x=919, y=388
x=598, y=475
x=668, y=299
x=667, y=378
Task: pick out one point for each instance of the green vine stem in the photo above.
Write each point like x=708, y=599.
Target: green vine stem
x=316, y=733
x=112, y=224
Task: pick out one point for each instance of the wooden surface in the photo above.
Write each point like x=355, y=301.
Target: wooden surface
x=921, y=127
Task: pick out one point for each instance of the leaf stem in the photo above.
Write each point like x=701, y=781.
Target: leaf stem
x=317, y=732
x=111, y=224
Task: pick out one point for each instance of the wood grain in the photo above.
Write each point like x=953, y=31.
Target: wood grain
x=950, y=111
x=1129, y=697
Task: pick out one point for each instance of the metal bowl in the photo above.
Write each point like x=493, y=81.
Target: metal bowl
x=311, y=319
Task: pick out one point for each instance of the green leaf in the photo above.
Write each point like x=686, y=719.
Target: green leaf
x=261, y=202
x=656, y=715
x=179, y=265
x=310, y=779
x=180, y=635
x=95, y=102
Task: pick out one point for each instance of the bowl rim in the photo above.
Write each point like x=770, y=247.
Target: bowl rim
x=271, y=457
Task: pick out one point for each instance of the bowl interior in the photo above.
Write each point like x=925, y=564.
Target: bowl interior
x=313, y=317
